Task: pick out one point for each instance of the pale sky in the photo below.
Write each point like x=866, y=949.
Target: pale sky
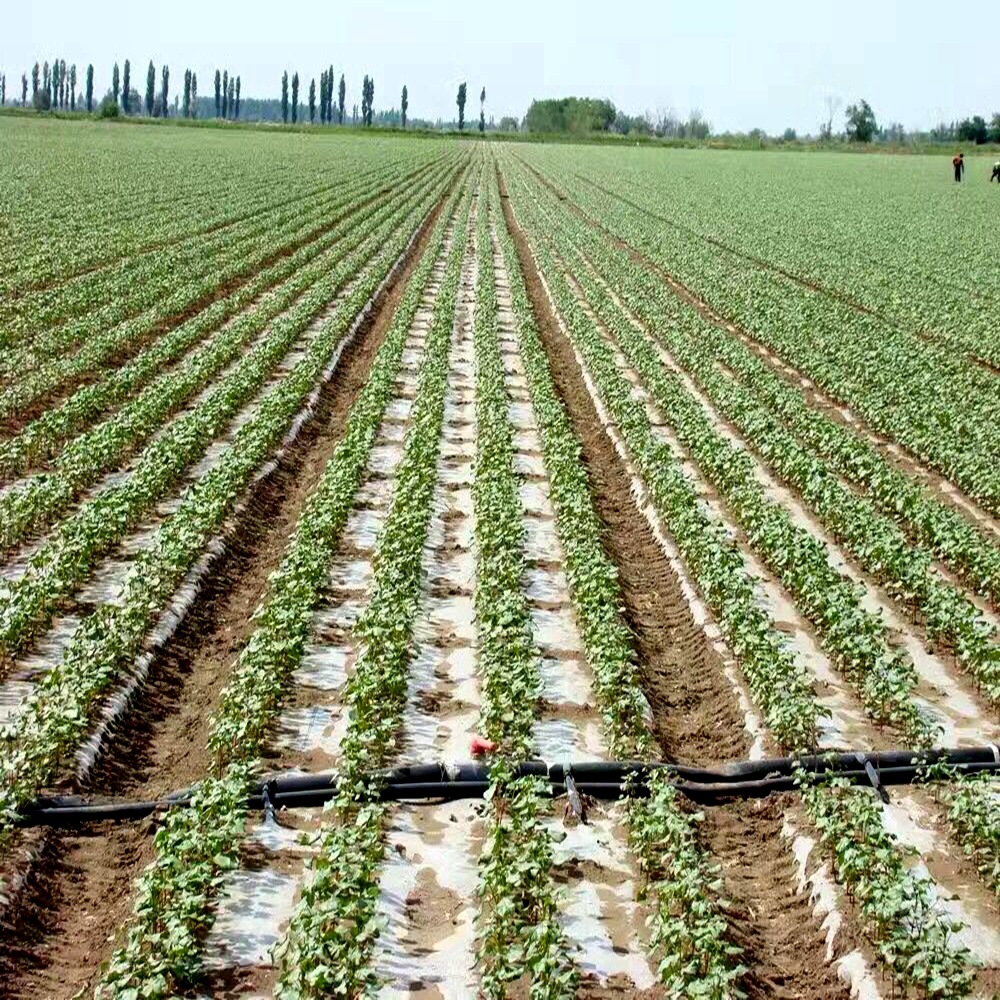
x=766, y=63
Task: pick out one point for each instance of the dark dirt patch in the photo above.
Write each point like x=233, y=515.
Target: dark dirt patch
x=783, y=944
x=695, y=713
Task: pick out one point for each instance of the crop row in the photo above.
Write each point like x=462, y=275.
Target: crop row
x=519, y=930
x=906, y=917
x=69, y=553
x=126, y=277
x=925, y=518
x=689, y=930
x=976, y=644
x=779, y=685
x=327, y=947
x=238, y=263
x=877, y=544
x=36, y=502
x=123, y=193
x=40, y=438
x=137, y=304
x=58, y=714
x=901, y=292
x=920, y=366
x=944, y=413
x=974, y=813
x=197, y=846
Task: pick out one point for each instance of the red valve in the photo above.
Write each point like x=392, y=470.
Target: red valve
x=479, y=746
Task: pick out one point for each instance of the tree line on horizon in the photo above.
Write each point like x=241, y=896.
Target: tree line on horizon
x=57, y=86
x=54, y=87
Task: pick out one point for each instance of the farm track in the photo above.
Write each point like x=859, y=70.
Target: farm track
x=900, y=457
x=697, y=718
x=60, y=935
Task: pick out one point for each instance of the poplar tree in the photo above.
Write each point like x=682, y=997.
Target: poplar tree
x=404, y=103
x=3, y=89
x=90, y=87
x=367, y=100
x=329, y=94
x=194, y=95
x=186, y=101
x=236, y=113
x=295, y=98
x=284, y=97
x=150, y=87
x=127, y=87
x=460, y=101
x=24, y=89
x=323, y=88
x=54, y=98
x=116, y=83
x=312, y=101
x=34, y=82
x=232, y=98
x=340, y=98
x=72, y=87
x=225, y=93
x=165, y=78
x=218, y=94
x=482, y=111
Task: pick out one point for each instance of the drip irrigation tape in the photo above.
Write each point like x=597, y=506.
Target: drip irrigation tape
x=606, y=780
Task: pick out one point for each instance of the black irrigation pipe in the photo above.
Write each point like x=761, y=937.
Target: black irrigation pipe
x=598, y=780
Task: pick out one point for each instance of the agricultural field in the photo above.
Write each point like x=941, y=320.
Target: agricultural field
x=576, y=514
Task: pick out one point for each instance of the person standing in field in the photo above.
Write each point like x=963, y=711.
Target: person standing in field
x=959, y=164
x=995, y=176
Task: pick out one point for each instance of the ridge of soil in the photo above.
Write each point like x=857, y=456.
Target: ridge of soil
x=695, y=715
x=78, y=891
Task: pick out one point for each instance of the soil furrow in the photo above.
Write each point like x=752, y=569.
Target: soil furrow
x=695, y=714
